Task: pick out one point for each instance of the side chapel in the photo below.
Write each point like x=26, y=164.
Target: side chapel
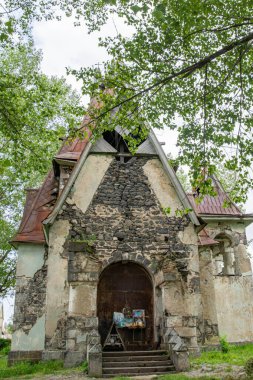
x=96, y=241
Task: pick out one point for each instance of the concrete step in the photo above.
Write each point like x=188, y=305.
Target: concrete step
x=137, y=370
x=136, y=363
x=137, y=374
x=134, y=353
x=143, y=364
x=135, y=358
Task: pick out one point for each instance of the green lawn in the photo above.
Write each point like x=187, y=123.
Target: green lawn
x=42, y=368
x=237, y=355
x=184, y=377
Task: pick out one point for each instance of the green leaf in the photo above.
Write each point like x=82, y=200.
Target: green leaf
x=136, y=8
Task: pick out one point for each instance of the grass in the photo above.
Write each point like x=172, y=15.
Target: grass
x=41, y=368
x=237, y=355
x=184, y=377
x=26, y=368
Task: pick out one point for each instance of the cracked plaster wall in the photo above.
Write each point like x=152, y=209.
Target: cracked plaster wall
x=208, y=326
x=122, y=206
x=57, y=285
x=29, y=311
x=233, y=293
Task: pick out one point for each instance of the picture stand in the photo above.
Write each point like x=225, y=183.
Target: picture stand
x=113, y=338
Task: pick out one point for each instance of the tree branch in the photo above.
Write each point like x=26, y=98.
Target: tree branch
x=4, y=286
x=184, y=72
x=3, y=257
x=217, y=30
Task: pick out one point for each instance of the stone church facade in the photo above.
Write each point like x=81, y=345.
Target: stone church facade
x=108, y=230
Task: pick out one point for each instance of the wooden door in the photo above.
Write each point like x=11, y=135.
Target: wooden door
x=124, y=284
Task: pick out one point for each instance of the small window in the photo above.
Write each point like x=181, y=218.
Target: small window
x=117, y=141
x=223, y=256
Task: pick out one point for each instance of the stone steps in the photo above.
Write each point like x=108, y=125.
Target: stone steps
x=134, y=353
x=129, y=359
x=108, y=376
x=136, y=363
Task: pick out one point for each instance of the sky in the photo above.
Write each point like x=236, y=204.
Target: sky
x=64, y=45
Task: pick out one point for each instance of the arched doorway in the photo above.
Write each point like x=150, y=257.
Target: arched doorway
x=121, y=285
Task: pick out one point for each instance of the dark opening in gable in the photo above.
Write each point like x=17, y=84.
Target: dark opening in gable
x=115, y=139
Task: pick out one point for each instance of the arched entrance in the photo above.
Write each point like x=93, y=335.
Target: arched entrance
x=121, y=285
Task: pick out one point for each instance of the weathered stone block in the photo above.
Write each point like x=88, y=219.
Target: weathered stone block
x=77, y=246
x=170, y=277
x=181, y=361
x=72, y=334
x=20, y=356
x=95, y=364
x=74, y=358
x=70, y=344
x=173, y=321
x=81, y=338
x=186, y=331
x=53, y=355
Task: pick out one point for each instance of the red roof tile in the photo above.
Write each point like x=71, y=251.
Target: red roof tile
x=40, y=203
x=205, y=239
x=215, y=205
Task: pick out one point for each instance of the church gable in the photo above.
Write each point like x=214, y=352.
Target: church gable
x=120, y=237
x=113, y=144
x=123, y=222
x=124, y=204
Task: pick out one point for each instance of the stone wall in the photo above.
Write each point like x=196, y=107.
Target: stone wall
x=234, y=295
x=227, y=293
x=234, y=232
x=125, y=221
x=30, y=301
x=208, y=323
x=30, y=298
x=57, y=282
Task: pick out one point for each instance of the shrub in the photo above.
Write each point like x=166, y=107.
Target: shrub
x=84, y=366
x=5, y=345
x=5, y=350
x=224, y=344
x=249, y=367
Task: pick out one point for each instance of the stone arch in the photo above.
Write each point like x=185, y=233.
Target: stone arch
x=223, y=255
x=123, y=284
x=130, y=257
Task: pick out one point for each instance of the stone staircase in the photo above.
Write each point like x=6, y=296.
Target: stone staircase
x=134, y=363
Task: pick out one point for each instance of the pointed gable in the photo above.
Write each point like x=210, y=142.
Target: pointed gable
x=45, y=206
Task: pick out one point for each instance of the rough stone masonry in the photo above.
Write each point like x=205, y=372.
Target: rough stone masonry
x=123, y=213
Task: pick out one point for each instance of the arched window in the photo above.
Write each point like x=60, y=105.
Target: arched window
x=223, y=256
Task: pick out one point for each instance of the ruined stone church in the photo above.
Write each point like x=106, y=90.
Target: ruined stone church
x=106, y=234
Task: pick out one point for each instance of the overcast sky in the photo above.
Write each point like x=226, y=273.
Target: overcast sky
x=64, y=45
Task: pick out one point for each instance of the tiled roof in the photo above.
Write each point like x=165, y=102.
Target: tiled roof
x=205, y=239
x=40, y=202
x=214, y=205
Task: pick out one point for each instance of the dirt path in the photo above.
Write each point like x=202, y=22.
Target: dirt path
x=220, y=371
